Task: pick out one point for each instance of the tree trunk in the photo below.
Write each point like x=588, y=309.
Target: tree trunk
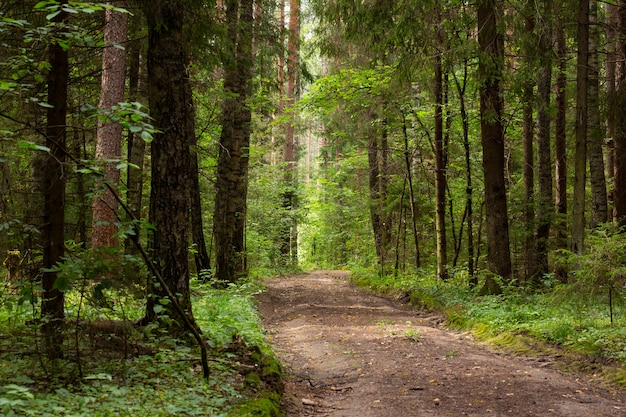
x=136, y=148
x=580, y=157
x=490, y=67
x=528, y=134
x=545, y=202
x=612, y=24
x=595, y=140
x=618, y=110
x=377, y=164
x=109, y=133
x=289, y=245
x=53, y=236
x=560, y=137
x=409, y=176
x=232, y=171
x=440, y=175
x=201, y=255
x=468, y=175
x=171, y=105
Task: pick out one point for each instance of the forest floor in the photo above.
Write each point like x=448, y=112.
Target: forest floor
x=349, y=353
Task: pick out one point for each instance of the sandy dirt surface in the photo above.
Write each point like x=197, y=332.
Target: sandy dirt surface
x=350, y=353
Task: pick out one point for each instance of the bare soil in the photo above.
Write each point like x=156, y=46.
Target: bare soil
x=351, y=353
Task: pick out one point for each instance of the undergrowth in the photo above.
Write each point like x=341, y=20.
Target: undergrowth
x=148, y=373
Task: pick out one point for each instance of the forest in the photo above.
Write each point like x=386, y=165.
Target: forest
x=160, y=158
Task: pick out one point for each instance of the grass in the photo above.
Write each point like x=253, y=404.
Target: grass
x=563, y=319
x=159, y=376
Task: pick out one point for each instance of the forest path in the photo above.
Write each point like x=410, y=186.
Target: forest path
x=351, y=353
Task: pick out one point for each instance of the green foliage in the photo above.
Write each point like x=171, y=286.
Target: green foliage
x=160, y=376
x=567, y=315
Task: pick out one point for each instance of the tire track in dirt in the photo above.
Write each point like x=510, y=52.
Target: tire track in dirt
x=353, y=354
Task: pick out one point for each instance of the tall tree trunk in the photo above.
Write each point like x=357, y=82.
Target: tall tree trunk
x=377, y=149
x=618, y=111
x=171, y=101
x=53, y=302
x=136, y=148
x=560, y=137
x=580, y=157
x=289, y=244
x=109, y=133
x=490, y=66
x=595, y=140
x=461, y=87
x=440, y=175
x=232, y=172
x=201, y=254
x=528, y=134
x=409, y=176
x=544, y=156
x=612, y=24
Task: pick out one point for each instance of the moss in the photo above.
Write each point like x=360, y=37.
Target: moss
x=253, y=380
x=267, y=404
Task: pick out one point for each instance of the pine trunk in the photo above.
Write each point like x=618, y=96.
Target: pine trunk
x=544, y=156
x=618, y=104
x=109, y=133
x=595, y=140
x=171, y=102
x=53, y=236
x=580, y=157
x=232, y=173
x=490, y=68
x=440, y=175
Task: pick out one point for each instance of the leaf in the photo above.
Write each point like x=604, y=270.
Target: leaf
x=157, y=308
x=52, y=15
x=146, y=136
x=62, y=283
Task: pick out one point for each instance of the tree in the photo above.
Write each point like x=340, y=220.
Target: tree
x=618, y=113
x=595, y=140
x=171, y=107
x=490, y=67
x=136, y=148
x=109, y=133
x=580, y=157
x=560, y=130
x=233, y=163
x=544, y=156
x=53, y=237
x=440, y=174
x=289, y=244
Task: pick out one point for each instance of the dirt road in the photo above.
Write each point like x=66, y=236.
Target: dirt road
x=353, y=354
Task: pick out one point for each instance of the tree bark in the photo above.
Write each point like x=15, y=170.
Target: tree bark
x=53, y=236
x=580, y=157
x=560, y=139
x=612, y=25
x=595, y=140
x=232, y=172
x=528, y=134
x=201, y=254
x=171, y=105
x=618, y=111
x=440, y=175
x=136, y=148
x=289, y=244
x=544, y=158
x=490, y=67
x=109, y=133
x=469, y=199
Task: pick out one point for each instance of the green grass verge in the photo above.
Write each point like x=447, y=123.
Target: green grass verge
x=561, y=320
